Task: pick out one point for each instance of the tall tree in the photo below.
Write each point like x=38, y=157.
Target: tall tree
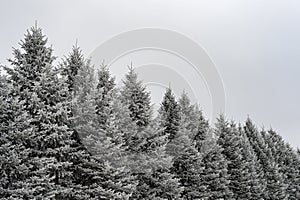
x=13, y=170
x=37, y=87
x=215, y=175
x=275, y=186
x=244, y=182
x=52, y=163
x=96, y=137
x=188, y=167
x=203, y=136
x=150, y=163
x=169, y=114
x=104, y=95
x=71, y=64
x=287, y=161
x=137, y=99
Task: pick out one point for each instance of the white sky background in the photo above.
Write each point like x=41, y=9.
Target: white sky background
x=255, y=44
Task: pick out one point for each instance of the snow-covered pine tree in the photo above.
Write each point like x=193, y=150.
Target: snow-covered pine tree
x=244, y=182
x=71, y=64
x=189, y=113
x=13, y=171
x=188, y=167
x=179, y=143
x=287, y=161
x=47, y=138
x=214, y=176
x=52, y=163
x=253, y=167
x=120, y=126
x=274, y=179
x=95, y=137
x=151, y=165
x=169, y=114
x=137, y=99
x=203, y=137
x=103, y=97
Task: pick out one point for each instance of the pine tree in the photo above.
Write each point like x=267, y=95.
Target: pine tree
x=275, y=186
x=215, y=177
x=119, y=126
x=12, y=119
x=169, y=114
x=179, y=143
x=244, y=182
x=52, y=163
x=287, y=162
x=151, y=165
x=97, y=138
x=188, y=167
x=104, y=92
x=189, y=113
x=137, y=99
x=203, y=137
x=70, y=66
x=36, y=85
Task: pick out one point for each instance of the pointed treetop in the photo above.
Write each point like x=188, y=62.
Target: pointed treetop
x=76, y=43
x=130, y=67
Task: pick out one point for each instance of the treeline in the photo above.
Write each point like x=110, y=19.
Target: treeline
x=67, y=132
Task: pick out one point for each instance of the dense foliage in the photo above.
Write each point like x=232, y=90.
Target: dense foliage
x=67, y=132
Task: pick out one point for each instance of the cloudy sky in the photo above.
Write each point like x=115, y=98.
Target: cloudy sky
x=254, y=44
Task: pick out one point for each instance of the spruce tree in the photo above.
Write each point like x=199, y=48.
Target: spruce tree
x=103, y=97
x=188, y=167
x=37, y=87
x=273, y=178
x=136, y=98
x=169, y=115
x=189, y=113
x=70, y=66
x=179, y=143
x=149, y=162
x=97, y=138
x=287, y=162
x=13, y=170
x=244, y=182
x=203, y=136
x=52, y=163
x=215, y=176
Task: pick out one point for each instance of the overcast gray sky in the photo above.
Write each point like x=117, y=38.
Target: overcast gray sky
x=254, y=44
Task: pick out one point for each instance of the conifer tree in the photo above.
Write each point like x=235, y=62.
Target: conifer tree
x=37, y=87
x=189, y=113
x=103, y=97
x=188, y=167
x=179, y=143
x=96, y=137
x=244, y=182
x=169, y=115
x=71, y=64
x=151, y=165
x=202, y=138
x=275, y=186
x=120, y=126
x=136, y=98
x=52, y=163
x=287, y=162
x=215, y=177
x=12, y=170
